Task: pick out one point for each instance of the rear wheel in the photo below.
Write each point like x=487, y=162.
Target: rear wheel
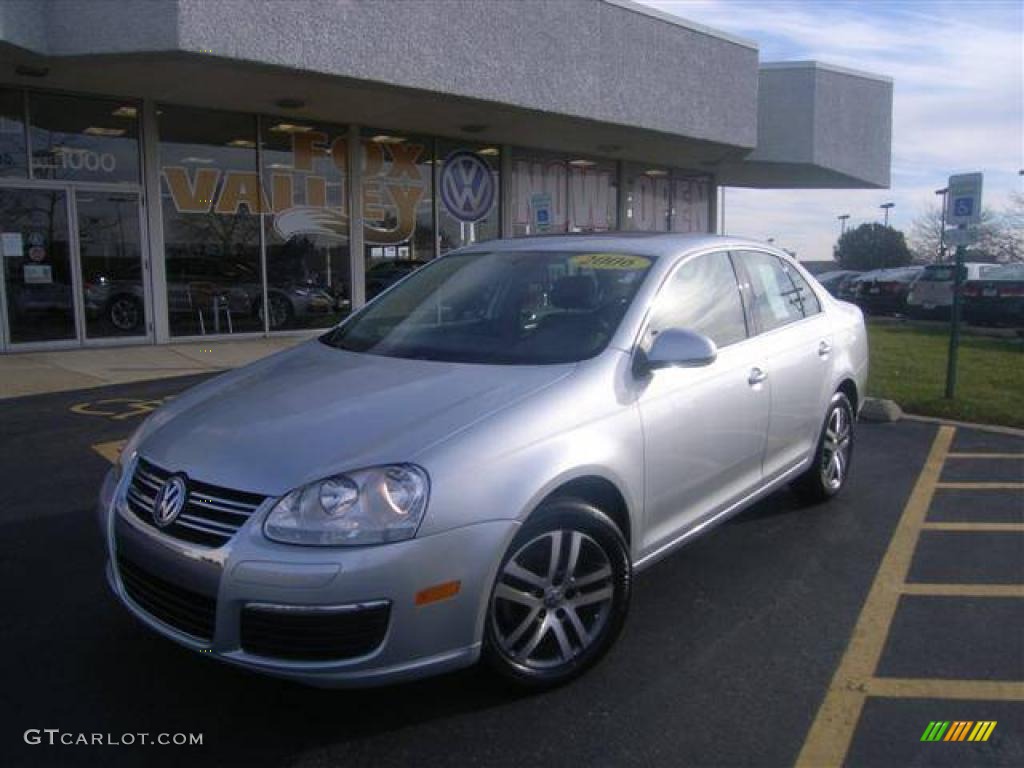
x=125, y=313
x=560, y=597
x=830, y=469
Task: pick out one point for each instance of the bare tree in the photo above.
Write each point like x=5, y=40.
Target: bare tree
x=1000, y=235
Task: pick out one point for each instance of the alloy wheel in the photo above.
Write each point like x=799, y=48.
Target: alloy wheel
x=835, y=453
x=552, y=599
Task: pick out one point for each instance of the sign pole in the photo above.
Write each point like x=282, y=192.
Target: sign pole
x=954, y=320
x=963, y=209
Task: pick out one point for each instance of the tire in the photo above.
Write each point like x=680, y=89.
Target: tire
x=547, y=625
x=827, y=475
x=125, y=313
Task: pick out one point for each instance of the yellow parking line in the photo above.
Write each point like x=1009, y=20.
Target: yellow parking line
x=111, y=450
x=992, y=527
x=964, y=590
x=913, y=688
x=986, y=456
x=829, y=738
x=981, y=486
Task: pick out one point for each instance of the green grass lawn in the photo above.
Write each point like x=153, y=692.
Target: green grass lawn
x=908, y=365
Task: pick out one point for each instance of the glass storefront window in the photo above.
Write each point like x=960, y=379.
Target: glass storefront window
x=666, y=200
x=540, y=193
x=76, y=138
x=13, y=151
x=306, y=227
x=593, y=195
x=398, y=212
x=212, y=200
x=468, y=194
x=691, y=204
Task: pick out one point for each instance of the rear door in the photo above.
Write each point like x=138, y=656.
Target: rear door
x=704, y=428
x=795, y=355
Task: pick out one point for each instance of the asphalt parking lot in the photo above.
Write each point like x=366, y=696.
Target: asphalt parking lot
x=821, y=635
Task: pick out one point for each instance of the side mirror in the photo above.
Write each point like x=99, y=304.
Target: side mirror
x=677, y=348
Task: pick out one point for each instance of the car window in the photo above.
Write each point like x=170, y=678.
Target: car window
x=809, y=303
x=775, y=299
x=704, y=296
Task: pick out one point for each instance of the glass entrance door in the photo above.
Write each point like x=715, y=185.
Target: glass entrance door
x=113, y=294
x=38, y=272
x=71, y=267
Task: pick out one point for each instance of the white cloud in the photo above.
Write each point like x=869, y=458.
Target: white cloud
x=958, y=101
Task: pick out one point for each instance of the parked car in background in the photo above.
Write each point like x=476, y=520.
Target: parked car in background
x=835, y=281
x=475, y=463
x=382, y=276
x=931, y=294
x=884, y=291
x=997, y=297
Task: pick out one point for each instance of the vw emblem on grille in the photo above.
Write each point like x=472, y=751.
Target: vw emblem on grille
x=467, y=186
x=169, y=501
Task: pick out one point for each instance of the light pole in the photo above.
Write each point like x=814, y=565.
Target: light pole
x=886, y=207
x=942, y=232
x=842, y=223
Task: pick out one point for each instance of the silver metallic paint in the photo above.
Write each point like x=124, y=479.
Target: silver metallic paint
x=685, y=447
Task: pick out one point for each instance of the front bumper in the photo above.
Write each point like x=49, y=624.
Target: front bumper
x=249, y=569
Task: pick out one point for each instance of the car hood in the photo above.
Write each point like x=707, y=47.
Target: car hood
x=315, y=410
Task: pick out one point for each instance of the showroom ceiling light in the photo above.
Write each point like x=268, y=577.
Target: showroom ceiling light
x=581, y=163
x=291, y=128
x=96, y=130
x=126, y=111
x=197, y=160
x=656, y=172
x=384, y=138
x=243, y=143
x=489, y=151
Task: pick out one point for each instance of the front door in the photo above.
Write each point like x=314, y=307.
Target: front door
x=704, y=428
x=72, y=267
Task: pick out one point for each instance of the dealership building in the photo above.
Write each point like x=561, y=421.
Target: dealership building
x=182, y=169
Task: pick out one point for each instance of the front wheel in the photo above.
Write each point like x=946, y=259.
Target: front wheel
x=830, y=469
x=560, y=597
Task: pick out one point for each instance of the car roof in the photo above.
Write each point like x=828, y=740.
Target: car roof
x=636, y=243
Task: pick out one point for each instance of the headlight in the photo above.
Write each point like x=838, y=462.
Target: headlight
x=371, y=506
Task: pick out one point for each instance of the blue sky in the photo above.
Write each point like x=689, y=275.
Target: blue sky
x=958, y=71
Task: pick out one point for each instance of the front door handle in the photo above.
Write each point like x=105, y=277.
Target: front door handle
x=824, y=348
x=757, y=376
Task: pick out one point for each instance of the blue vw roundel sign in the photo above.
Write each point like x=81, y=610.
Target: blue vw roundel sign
x=467, y=186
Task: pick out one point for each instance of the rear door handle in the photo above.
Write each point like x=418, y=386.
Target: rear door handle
x=757, y=376
x=824, y=348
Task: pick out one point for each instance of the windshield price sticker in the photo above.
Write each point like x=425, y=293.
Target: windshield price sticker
x=610, y=261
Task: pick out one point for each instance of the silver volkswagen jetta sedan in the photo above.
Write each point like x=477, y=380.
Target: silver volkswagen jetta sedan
x=477, y=462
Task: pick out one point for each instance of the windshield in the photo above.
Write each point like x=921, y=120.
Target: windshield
x=511, y=307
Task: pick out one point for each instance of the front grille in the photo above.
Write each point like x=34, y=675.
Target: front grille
x=316, y=635
x=211, y=515
x=183, y=609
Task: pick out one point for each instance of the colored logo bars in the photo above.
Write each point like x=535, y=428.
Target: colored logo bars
x=959, y=730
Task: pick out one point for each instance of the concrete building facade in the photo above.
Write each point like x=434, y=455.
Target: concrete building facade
x=177, y=169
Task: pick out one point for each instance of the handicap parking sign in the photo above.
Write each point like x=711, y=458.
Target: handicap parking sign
x=964, y=199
